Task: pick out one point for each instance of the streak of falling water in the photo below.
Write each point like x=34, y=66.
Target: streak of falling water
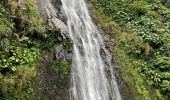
x=92, y=72
x=89, y=78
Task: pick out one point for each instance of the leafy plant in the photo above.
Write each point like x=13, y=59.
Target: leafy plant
x=143, y=34
x=16, y=56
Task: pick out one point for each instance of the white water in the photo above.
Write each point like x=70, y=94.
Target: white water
x=89, y=79
x=88, y=73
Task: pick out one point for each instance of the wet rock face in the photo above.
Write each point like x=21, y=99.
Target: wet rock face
x=60, y=53
x=49, y=83
x=43, y=4
x=52, y=8
x=53, y=13
x=60, y=14
x=125, y=92
x=57, y=4
x=52, y=83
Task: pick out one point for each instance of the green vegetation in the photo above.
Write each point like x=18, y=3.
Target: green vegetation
x=62, y=66
x=23, y=37
x=16, y=56
x=18, y=85
x=141, y=30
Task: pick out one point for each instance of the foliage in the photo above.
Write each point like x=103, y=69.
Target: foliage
x=18, y=86
x=62, y=66
x=46, y=40
x=134, y=81
x=130, y=75
x=16, y=56
x=67, y=43
x=143, y=34
x=16, y=21
x=29, y=18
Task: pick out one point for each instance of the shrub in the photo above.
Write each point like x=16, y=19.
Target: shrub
x=17, y=55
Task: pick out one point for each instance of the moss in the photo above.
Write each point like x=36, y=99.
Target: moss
x=62, y=66
x=67, y=44
x=5, y=23
x=33, y=16
x=18, y=85
x=29, y=18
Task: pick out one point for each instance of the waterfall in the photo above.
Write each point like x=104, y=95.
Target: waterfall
x=92, y=73
x=89, y=78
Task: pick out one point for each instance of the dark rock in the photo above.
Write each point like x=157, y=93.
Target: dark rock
x=57, y=4
x=61, y=16
x=59, y=52
x=48, y=84
x=64, y=34
x=68, y=56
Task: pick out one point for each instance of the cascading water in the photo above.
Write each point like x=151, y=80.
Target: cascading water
x=89, y=78
x=92, y=73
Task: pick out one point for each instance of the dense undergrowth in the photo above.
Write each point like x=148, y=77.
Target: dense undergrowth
x=141, y=29
x=142, y=32
x=23, y=36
